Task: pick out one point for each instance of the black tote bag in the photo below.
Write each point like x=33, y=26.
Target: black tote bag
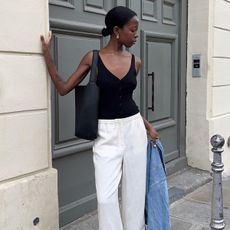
x=86, y=104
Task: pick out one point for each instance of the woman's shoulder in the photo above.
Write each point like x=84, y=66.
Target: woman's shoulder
x=88, y=58
x=137, y=60
x=137, y=63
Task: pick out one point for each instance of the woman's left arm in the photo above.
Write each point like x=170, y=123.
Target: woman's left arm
x=150, y=130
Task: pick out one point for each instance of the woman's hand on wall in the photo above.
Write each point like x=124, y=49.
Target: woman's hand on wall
x=46, y=42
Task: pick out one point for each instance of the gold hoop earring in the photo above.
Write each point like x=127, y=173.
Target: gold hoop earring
x=117, y=37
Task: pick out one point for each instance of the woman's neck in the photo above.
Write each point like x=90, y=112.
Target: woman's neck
x=114, y=46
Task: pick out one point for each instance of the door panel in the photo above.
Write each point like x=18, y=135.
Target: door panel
x=76, y=188
x=68, y=56
x=76, y=26
x=71, y=156
x=159, y=54
x=160, y=58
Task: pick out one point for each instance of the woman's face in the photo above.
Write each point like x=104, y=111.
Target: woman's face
x=128, y=33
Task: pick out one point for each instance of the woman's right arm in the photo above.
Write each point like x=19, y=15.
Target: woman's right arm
x=80, y=73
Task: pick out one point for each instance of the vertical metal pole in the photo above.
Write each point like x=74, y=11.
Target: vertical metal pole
x=217, y=216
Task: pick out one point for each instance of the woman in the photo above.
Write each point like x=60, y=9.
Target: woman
x=119, y=152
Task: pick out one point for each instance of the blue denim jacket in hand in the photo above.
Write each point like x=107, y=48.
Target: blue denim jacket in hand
x=157, y=200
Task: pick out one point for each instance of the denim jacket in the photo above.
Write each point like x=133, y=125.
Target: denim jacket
x=157, y=200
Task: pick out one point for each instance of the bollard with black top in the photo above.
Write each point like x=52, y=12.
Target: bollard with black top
x=217, y=215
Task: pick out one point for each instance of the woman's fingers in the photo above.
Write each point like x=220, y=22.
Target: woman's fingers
x=48, y=40
x=49, y=37
x=50, y=34
x=45, y=43
x=154, y=135
x=42, y=38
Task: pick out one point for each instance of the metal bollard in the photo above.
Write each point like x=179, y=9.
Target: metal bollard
x=217, y=216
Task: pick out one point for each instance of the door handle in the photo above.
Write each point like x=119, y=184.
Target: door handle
x=153, y=86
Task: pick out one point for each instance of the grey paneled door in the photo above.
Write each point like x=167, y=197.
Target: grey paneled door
x=76, y=26
x=162, y=31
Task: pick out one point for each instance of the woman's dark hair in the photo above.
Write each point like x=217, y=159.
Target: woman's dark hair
x=117, y=16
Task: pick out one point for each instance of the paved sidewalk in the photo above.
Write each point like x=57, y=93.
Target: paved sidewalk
x=187, y=212
x=193, y=212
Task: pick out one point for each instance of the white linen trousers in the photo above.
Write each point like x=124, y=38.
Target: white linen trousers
x=119, y=154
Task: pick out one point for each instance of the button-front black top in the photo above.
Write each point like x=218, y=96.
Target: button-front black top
x=116, y=94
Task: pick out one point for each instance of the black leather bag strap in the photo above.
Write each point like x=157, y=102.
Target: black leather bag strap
x=93, y=72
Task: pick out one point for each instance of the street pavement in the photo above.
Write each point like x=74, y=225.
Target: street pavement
x=193, y=212
x=190, y=192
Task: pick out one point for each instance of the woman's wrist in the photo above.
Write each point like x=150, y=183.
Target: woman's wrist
x=149, y=129
x=45, y=52
x=148, y=126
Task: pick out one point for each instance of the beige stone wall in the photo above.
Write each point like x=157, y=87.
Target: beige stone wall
x=27, y=180
x=220, y=82
x=197, y=126
x=208, y=106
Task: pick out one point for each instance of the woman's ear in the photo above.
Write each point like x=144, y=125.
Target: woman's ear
x=116, y=31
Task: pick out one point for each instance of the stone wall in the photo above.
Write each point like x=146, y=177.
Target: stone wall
x=28, y=183
x=208, y=106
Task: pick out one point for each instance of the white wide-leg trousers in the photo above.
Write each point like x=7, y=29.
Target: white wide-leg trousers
x=119, y=154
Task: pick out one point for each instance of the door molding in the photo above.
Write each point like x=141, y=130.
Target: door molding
x=150, y=36
x=67, y=3
x=65, y=27
x=62, y=25
x=182, y=59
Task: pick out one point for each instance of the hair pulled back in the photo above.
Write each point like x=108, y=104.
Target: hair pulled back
x=117, y=16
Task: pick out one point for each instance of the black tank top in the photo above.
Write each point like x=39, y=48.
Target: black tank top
x=116, y=94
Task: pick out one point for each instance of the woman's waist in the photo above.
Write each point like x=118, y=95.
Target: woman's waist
x=119, y=119
x=117, y=112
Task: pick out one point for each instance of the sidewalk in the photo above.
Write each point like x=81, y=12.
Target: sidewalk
x=190, y=198
x=193, y=212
